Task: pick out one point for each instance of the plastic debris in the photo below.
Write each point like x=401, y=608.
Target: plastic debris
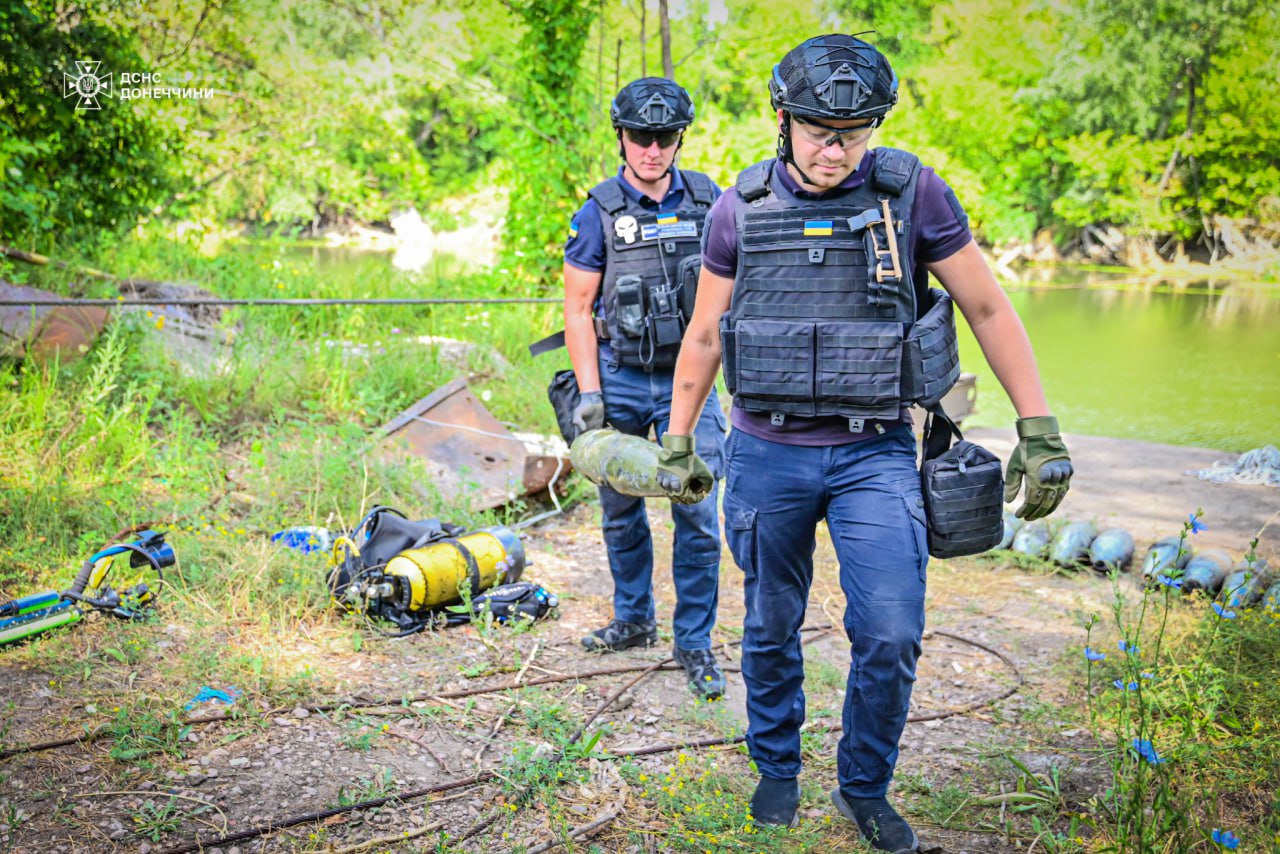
x=205, y=694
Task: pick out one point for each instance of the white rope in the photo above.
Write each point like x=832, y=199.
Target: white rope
x=1259, y=466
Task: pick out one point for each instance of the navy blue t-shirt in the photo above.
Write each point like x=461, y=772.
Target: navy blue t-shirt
x=585, y=247
x=939, y=230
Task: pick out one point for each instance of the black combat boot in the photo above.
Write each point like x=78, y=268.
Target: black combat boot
x=705, y=677
x=620, y=634
x=878, y=822
x=775, y=802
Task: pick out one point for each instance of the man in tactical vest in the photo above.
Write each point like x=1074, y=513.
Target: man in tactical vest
x=814, y=290
x=631, y=268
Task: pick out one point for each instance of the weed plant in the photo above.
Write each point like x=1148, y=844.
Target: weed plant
x=279, y=429
x=1186, y=707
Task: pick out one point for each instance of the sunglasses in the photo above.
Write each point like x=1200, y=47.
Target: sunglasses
x=823, y=135
x=645, y=138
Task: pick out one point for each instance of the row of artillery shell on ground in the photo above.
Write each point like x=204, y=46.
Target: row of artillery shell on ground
x=1237, y=584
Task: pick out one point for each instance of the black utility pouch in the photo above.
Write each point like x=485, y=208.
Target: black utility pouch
x=729, y=354
x=963, y=487
x=687, y=282
x=629, y=311
x=564, y=396
x=663, y=322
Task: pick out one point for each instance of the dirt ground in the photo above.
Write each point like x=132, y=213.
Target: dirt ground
x=275, y=763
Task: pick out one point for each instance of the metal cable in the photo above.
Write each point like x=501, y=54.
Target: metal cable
x=107, y=302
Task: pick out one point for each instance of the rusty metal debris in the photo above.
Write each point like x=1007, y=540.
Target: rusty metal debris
x=468, y=451
x=42, y=333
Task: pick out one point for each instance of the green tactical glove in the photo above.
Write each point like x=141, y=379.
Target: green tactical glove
x=681, y=473
x=1041, y=458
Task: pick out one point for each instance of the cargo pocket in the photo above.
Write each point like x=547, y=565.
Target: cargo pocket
x=860, y=363
x=912, y=498
x=775, y=361
x=931, y=359
x=740, y=532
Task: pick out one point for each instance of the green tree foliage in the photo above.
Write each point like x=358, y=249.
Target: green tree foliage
x=546, y=162
x=330, y=112
x=1143, y=84
x=1154, y=117
x=64, y=170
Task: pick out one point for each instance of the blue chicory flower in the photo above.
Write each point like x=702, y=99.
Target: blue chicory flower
x=1093, y=655
x=1147, y=675
x=1169, y=582
x=1224, y=613
x=1145, y=749
x=1196, y=525
x=1119, y=683
x=1226, y=839
x=1125, y=646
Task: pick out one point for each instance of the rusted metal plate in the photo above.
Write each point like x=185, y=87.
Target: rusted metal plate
x=41, y=333
x=467, y=451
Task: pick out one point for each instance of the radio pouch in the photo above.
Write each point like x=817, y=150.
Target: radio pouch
x=963, y=486
x=663, y=321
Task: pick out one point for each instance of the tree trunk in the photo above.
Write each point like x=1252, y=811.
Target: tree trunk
x=600, y=53
x=664, y=23
x=644, y=66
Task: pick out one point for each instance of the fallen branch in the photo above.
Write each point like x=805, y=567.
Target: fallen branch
x=425, y=746
x=390, y=839
x=153, y=794
x=587, y=829
x=254, y=832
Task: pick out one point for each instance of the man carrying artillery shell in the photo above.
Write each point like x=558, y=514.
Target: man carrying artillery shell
x=815, y=292
x=631, y=267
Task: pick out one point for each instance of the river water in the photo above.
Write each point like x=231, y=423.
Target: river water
x=1192, y=364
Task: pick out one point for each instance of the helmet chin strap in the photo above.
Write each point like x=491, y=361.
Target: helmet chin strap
x=784, y=149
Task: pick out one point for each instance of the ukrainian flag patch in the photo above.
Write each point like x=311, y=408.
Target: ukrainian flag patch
x=667, y=219
x=817, y=228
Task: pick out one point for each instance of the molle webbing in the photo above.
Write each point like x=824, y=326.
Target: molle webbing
x=647, y=249
x=823, y=315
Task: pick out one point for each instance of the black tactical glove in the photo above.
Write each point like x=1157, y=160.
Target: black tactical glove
x=589, y=415
x=682, y=474
x=1041, y=458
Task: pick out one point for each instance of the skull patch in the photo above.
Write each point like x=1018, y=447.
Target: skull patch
x=626, y=227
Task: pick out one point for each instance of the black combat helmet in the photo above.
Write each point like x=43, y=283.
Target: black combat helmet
x=834, y=77
x=652, y=104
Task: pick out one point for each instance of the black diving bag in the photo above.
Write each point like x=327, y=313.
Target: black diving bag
x=963, y=486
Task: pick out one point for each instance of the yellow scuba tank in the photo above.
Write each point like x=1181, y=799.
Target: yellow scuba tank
x=431, y=576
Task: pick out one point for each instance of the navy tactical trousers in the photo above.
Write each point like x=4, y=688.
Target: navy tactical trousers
x=634, y=400
x=869, y=494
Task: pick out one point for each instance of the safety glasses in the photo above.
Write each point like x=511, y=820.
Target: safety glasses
x=645, y=138
x=824, y=135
